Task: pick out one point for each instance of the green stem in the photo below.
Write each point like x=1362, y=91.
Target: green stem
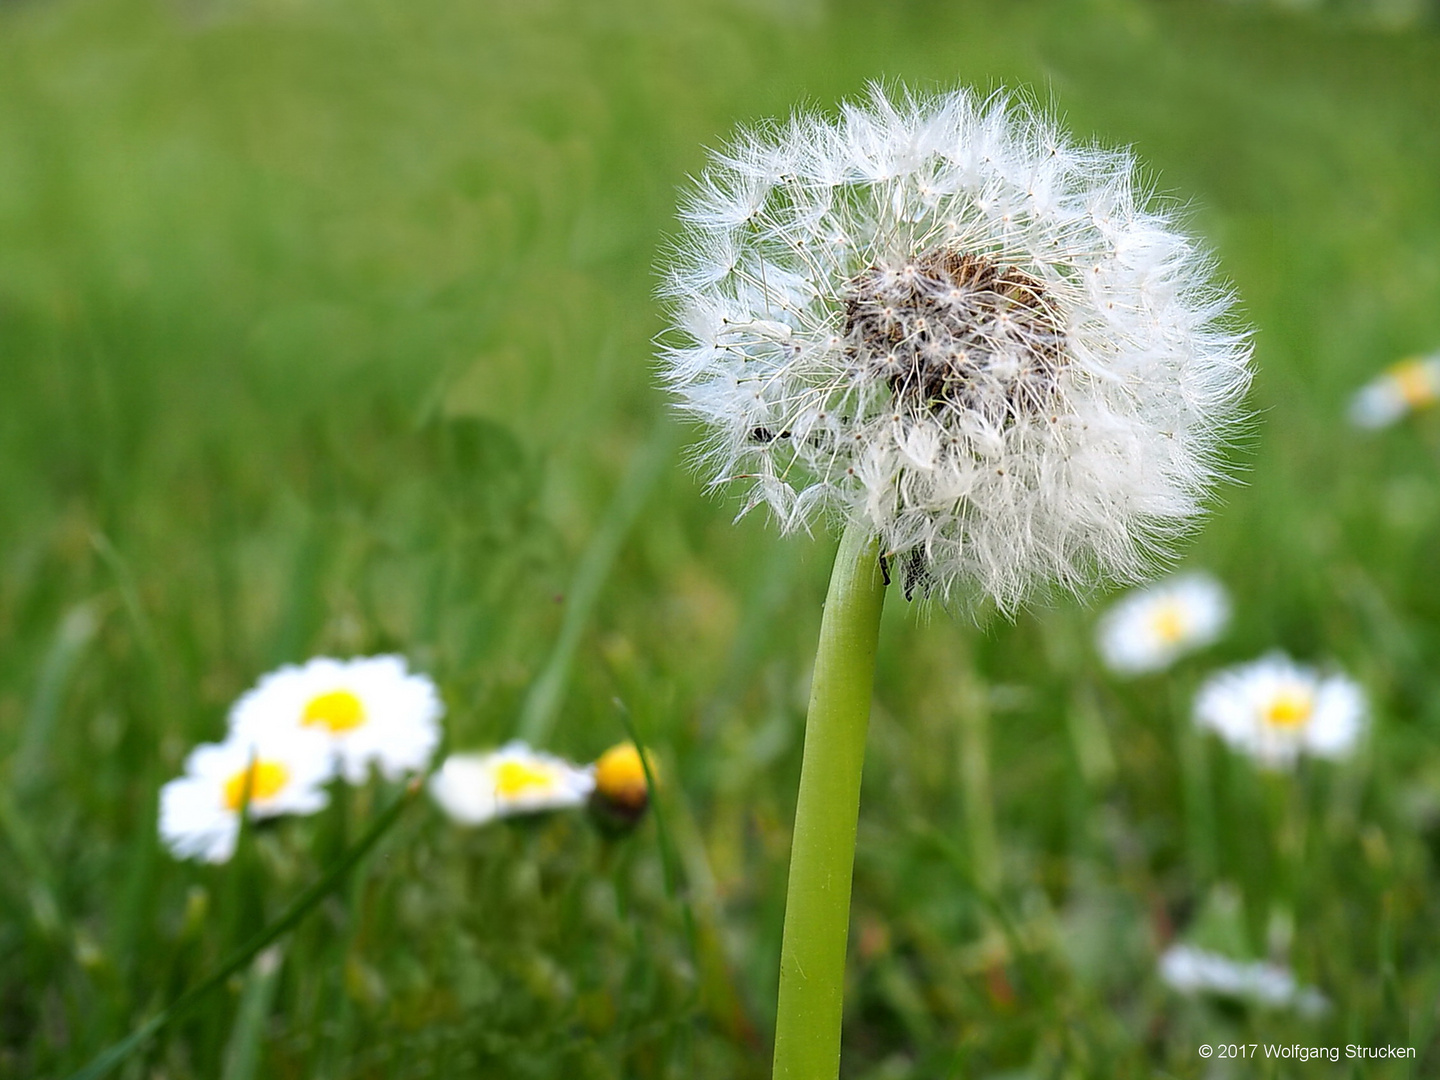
x=974, y=774
x=822, y=855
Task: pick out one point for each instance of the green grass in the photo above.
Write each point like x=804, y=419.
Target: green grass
x=326, y=328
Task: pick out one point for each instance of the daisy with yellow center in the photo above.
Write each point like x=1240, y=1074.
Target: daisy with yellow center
x=282, y=773
x=1409, y=386
x=371, y=710
x=1291, y=708
x=475, y=788
x=259, y=783
x=1168, y=623
x=335, y=711
x=1416, y=382
x=1275, y=710
x=1149, y=629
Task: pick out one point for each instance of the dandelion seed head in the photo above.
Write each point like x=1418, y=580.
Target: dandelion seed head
x=940, y=317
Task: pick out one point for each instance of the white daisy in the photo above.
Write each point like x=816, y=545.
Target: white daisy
x=476, y=788
x=370, y=708
x=1192, y=971
x=1406, y=387
x=1148, y=629
x=1275, y=709
x=943, y=319
x=285, y=773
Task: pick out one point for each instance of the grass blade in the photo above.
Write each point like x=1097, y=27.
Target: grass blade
x=242, y=1055
x=109, y=1058
x=77, y=629
x=537, y=715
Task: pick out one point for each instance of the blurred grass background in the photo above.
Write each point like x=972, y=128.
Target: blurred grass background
x=326, y=328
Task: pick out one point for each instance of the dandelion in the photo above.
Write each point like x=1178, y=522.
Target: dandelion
x=622, y=791
x=279, y=773
x=1409, y=386
x=476, y=788
x=371, y=710
x=1149, y=629
x=945, y=321
x=942, y=324
x=1275, y=709
x=1192, y=971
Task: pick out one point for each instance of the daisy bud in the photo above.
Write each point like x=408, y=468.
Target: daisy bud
x=622, y=792
x=942, y=319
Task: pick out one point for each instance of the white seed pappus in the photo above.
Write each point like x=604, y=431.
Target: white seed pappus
x=941, y=317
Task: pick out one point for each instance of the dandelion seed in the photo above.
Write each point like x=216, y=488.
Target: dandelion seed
x=1192, y=971
x=279, y=773
x=1410, y=386
x=973, y=334
x=371, y=710
x=1149, y=629
x=1275, y=709
x=475, y=788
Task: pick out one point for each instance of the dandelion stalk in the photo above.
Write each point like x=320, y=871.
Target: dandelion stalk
x=822, y=856
x=941, y=321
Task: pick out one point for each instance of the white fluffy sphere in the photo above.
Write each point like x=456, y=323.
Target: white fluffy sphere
x=941, y=317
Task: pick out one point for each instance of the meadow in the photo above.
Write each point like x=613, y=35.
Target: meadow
x=328, y=329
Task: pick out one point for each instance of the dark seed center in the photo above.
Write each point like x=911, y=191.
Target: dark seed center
x=949, y=330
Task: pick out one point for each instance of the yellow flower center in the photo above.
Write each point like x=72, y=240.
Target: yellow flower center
x=1289, y=709
x=265, y=779
x=338, y=710
x=620, y=776
x=1416, y=383
x=1168, y=622
x=514, y=778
